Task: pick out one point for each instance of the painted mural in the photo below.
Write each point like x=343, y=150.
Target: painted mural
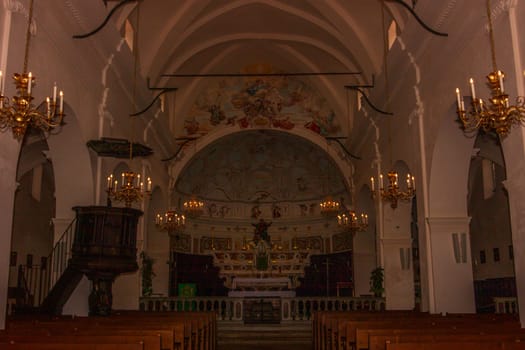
x=257, y=167
x=275, y=102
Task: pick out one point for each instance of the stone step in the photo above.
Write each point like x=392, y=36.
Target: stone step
x=285, y=333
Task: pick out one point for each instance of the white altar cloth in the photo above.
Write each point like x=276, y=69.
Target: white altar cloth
x=261, y=284
x=261, y=293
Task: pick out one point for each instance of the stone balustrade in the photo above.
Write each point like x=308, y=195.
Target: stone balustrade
x=232, y=308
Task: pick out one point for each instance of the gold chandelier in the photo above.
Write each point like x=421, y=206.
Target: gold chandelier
x=19, y=113
x=496, y=115
x=171, y=222
x=393, y=193
x=329, y=207
x=193, y=207
x=131, y=189
x=351, y=223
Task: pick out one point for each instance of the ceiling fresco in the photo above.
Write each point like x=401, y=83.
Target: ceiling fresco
x=262, y=166
x=278, y=102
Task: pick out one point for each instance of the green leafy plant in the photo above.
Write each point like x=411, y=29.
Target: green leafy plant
x=147, y=274
x=376, y=281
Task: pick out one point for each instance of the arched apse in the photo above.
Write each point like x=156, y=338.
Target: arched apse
x=263, y=167
x=343, y=164
x=364, y=248
x=490, y=230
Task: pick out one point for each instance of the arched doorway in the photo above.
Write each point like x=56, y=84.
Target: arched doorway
x=490, y=230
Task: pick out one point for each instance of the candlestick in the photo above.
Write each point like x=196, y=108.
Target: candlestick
x=458, y=98
x=372, y=184
x=29, y=83
x=472, y=89
x=61, y=102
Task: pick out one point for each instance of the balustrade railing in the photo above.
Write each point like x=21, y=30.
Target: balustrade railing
x=37, y=280
x=232, y=308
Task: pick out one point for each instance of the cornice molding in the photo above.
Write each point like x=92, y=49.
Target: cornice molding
x=15, y=6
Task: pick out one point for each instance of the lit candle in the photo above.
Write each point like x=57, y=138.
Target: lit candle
x=123, y=184
x=48, y=108
x=413, y=183
x=500, y=76
x=109, y=182
x=61, y=102
x=458, y=97
x=29, y=82
x=141, y=186
x=462, y=105
x=138, y=180
x=372, y=184
x=381, y=181
x=149, y=185
x=115, y=184
x=409, y=184
x=55, y=93
x=1, y=84
x=395, y=182
x=472, y=89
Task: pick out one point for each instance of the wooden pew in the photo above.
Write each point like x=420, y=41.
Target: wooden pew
x=71, y=346
x=470, y=345
x=149, y=342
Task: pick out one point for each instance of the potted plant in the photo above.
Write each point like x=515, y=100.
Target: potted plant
x=376, y=282
x=147, y=274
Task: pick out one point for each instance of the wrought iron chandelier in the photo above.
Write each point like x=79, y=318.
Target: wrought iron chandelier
x=19, y=113
x=193, y=207
x=171, y=222
x=496, y=115
x=393, y=193
x=329, y=207
x=351, y=222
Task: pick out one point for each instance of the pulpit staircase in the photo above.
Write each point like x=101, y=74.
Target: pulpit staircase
x=45, y=288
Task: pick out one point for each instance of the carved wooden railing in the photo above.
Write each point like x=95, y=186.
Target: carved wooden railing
x=232, y=309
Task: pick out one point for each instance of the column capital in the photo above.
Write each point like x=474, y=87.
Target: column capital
x=447, y=223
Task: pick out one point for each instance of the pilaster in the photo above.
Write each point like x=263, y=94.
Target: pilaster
x=452, y=264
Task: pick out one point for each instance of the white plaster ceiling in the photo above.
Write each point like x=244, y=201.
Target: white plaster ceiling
x=254, y=36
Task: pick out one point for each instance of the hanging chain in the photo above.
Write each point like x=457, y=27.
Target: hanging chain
x=28, y=36
x=134, y=91
x=491, y=34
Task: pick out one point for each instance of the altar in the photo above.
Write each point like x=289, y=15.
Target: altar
x=262, y=283
x=261, y=287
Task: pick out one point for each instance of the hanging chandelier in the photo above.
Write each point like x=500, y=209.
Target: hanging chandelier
x=19, y=113
x=496, y=115
x=171, y=222
x=351, y=222
x=393, y=193
x=329, y=207
x=193, y=207
x=131, y=189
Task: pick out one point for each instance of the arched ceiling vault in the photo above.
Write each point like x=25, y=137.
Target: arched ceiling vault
x=225, y=36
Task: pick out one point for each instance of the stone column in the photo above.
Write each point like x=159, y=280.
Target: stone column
x=399, y=278
x=452, y=264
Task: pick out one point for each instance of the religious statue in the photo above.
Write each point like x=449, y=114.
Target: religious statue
x=261, y=231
